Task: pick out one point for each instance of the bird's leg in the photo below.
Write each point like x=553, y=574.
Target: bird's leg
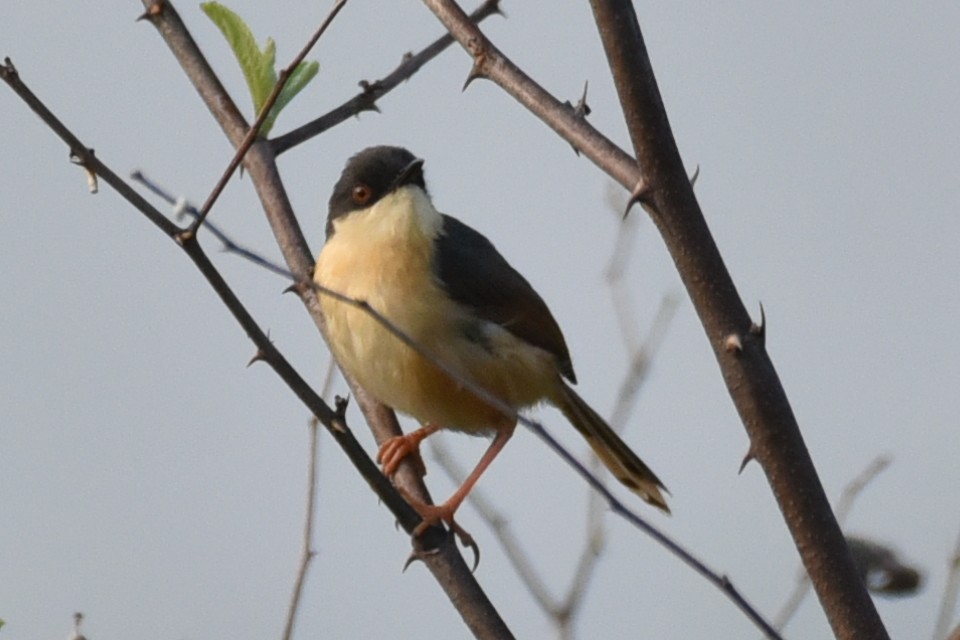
x=433, y=514
x=395, y=449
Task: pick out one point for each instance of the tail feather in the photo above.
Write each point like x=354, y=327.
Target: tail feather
x=615, y=454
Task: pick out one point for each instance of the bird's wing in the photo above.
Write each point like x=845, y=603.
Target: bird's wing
x=475, y=275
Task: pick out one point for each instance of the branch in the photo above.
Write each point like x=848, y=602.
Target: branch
x=370, y=92
x=775, y=439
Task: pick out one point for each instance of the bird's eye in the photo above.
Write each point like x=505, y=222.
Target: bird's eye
x=362, y=194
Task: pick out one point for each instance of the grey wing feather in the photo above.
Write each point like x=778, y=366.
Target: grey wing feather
x=475, y=274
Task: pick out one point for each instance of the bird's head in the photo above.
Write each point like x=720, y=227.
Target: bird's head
x=370, y=175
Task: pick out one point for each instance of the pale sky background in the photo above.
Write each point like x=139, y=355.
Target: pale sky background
x=150, y=480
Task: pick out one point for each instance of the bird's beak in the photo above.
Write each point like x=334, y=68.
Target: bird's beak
x=409, y=173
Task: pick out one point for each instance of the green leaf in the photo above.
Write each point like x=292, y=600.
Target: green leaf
x=259, y=67
x=301, y=76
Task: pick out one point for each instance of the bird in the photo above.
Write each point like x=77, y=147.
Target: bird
x=445, y=287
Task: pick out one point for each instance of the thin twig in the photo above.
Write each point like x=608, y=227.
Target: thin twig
x=254, y=131
x=856, y=486
x=949, y=600
x=307, y=554
x=182, y=207
x=370, y=92
x=641, y=358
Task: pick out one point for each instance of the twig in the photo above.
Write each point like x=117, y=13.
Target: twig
x=845, y=503
x=856, y=486
x=307, y=554
x=254, y=130
x=949, y=600
x=641, y=359
x=229, y=245
x=370, y=92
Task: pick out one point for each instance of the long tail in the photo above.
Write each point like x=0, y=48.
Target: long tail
x=622, y=462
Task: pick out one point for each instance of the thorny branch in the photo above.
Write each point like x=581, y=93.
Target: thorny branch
x=370, y=92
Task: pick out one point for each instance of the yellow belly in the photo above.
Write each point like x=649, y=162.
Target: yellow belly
x=392, y=272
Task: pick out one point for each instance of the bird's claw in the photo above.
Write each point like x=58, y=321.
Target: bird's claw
x=435, y=515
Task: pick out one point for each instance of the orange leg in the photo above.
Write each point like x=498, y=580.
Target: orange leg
x=433, y=514
x=395, y=449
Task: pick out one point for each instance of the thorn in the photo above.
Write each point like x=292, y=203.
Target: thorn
x=639, y=195
x=760, y=330
x=732, y=344
x=419, y=551
x=693, y=178
x=747, y=459
x=298, y=288
x=473, y=75
x=580, y=111
x=340, y=406
x=152, y=11
x=259, y=356
x=476, y=71
x=413, y=557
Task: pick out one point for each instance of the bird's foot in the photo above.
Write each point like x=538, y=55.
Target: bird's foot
x=393, y=451
x=443, y=513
